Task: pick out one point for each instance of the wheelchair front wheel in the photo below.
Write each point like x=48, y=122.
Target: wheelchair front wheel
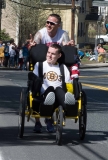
x=21, y=118
x=59, y=125
x=83, y=117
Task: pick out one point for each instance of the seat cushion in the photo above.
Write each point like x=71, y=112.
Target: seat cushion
x=38, y=53
x=69, y=55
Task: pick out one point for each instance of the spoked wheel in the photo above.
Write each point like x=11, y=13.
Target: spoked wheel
x=21, y=118
x=83, y=118
x=59, y=126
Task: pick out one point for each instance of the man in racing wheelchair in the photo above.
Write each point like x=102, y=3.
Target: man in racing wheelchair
x=50, y=85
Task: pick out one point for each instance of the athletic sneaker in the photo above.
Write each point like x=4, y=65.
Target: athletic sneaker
x=37, y=127
x=50, y=127
x=69, y=98
x=50, y=99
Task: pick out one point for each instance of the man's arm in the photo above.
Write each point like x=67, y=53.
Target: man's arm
x=37, y=38
x=65, y=38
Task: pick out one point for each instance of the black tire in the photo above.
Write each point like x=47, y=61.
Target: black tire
x=83, y=117
x=100, y=40
x=59, y=126
x=21, y=119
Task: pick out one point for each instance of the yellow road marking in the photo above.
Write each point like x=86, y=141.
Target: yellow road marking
x=94, y=86
x=100, y=76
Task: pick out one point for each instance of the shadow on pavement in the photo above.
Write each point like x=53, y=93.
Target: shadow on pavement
x=9, y=99
x=9, y=137
x=97, y=100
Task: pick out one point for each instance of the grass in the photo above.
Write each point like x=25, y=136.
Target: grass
x=105, y=47
x=85, y=60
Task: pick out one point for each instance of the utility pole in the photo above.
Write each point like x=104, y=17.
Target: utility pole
x=73, y=19
x=0, y=16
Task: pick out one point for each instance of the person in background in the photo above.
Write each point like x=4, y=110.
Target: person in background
x=25, y=55
x=101, y=53
x=12, y=54
x=20, y=59
x=87, y=53
x=96, y=53
x=81, y=54
x=6, y=52
x=12, y=43
x=1, y=53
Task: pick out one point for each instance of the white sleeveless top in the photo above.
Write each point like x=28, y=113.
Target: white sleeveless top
x=46, y=39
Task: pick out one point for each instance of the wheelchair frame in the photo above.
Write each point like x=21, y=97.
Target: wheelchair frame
x=76, y=112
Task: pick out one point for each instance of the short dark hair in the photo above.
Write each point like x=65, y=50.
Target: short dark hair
x=11, y=40
x=56, y=16
x=56, y=46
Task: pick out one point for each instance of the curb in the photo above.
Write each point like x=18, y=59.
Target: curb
x=84, y=67
x=9, y=69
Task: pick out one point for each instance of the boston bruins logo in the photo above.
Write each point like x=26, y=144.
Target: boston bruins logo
x=52, y=76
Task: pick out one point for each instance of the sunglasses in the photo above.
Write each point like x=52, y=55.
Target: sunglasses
x=51, y=23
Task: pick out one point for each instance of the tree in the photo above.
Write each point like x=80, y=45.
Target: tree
x=4, y=36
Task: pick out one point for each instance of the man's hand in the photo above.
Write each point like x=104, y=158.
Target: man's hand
x=31, y=42
x=71, y=43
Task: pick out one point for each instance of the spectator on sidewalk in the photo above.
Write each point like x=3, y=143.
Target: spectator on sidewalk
x=12, y=57
x=12, y=43
x=81, y=54
x=96, y=53
x=20, y=59
x=101, y=53
x=25, y=55
x=6, y=52
x=1, y=53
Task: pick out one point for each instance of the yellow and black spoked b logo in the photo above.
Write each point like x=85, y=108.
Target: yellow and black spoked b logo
x=52, y=76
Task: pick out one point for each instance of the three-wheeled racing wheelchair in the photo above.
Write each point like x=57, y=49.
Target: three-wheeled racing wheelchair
x=57, y=114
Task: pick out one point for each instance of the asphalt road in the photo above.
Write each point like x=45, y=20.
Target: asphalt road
x=42, y=146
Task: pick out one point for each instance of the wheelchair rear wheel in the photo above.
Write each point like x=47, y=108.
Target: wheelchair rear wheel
x=83, y=118
x=21, y=119
x=59, y=126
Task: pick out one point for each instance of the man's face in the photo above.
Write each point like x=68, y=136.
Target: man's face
x=52, y=24
x=52, y=55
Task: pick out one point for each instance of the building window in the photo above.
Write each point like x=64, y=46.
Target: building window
x=82, y=7
x=83, y=29
x=81, y=33
x=78, y=29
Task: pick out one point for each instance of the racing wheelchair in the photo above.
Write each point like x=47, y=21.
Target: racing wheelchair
x=28, y=103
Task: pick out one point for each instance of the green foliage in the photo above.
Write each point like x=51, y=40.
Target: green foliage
x=105, y=47
x=4, y=36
